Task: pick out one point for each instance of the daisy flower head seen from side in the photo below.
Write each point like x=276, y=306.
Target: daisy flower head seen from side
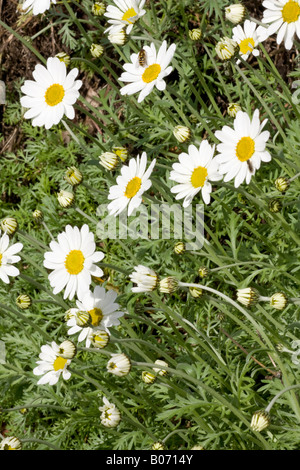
x=8, y=257
x=194, y=172
x=72, y=260
x=143, y=76
x=243, y=148
x=283, y=18
x=248, y=36
x=145, y=278
x=37, y=6
x=131, y=184
x=51, y=94
x=103, y=312
x=51, y=365
x=124, y=14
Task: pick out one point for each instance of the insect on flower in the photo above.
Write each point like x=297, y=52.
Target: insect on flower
x=142, y=58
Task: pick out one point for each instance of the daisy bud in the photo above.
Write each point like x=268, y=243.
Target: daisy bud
x=67, y=349
x=233, y=109
x=158, y=371
x=168, y=285
x=226, y=48
x=260, y=420
x=65, y=198
x=282, y=184
x=179, y=248
x=83, y=318
x=247, y=296
x=158, y=446
x=98, y=8
x=119, y=365
x=197, y=447
x=117, y=37
x=10, y=443
x=121, y=152
x=96, y=50
x=110, y=416
x=279, y=300
x=23, y=301
x=182, y=133
x=148, y=377
x=9, y=225
x=235, y=13
x=275, y=205
x=37, y=215
x=145, y=278
x=73, y=176
x=63, y=57
x=203, y=271
x=195, y=34
x=100, y=338
x=109, y=160
x=195, y=292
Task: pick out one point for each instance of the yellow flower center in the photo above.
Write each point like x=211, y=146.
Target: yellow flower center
x=54, y=94
x=151, y=73
x=199, y=176
x=74, y=262
x=245, y=149
x=96, y=315
x=129, y=15
x=0, y=259
x=59, y=363
x=133, y=187
x=291, y=11
x=247, y=45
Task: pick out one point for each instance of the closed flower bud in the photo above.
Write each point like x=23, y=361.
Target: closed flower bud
x=195, y=34
x=247, y=296
x=63, y=57
x=235, y=13
x=158, y=446
x=275, y=205
x=121, y=152
x=23, y=301
x=279, y=300
x=148, y=377
x=119, y=365
x=82, y=318
x=282, y=184
x=73, y=176
x=203, y=271
x=109, y=160
x=110, y=415
x=67, y=349
x=9, y=225
x=98, y=8
x=159, y=371
x=96, y=50
x=65, y=198
x=99, y=338
x=260, y=420
x=233, y=109
x=182, y=133
x=37, y=215
x=168, y=285
x=195, y=292
x=118, y=37
x=226, y=48
x=179, y=248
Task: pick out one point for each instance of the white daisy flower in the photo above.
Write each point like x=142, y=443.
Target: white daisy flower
x=243, y=148
x=10, y=443
x=110, y=415
x=124, y=14
x=284, y=19
x=8, y=258
x=119, y=364
x=143, y=78
x=194, y=172
x=52, y=94
x=72, y=260
x=38, y=6
x=52, y=365
x=145, y=278
x=103, y=310
x=131, y=184
x=248, y=37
